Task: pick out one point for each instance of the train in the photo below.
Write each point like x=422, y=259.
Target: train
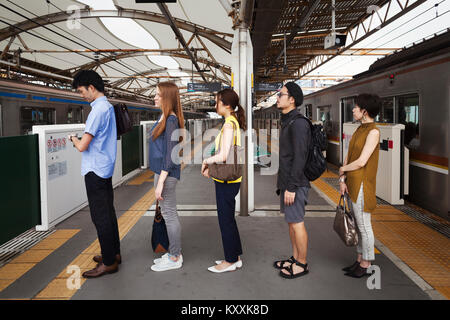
x=23, y=105
x=413, y=84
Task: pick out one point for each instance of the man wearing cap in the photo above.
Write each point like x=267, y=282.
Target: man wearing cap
x=292, y=185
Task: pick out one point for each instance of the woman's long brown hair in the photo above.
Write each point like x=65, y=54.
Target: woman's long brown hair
x=230, y=98
x=170, y=98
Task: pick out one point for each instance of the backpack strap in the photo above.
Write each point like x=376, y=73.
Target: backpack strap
x=298, y=116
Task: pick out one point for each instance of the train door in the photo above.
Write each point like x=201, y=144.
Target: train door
x=30, y=116
x=345, y=115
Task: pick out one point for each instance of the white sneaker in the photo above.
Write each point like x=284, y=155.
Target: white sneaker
x=230, y=268
x=238, y=264
x=167, y=264
x=165, y=257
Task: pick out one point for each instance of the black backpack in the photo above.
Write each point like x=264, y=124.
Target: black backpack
x=316, y=164
x=123, y=122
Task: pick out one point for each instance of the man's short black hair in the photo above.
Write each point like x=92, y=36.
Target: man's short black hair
x=84, y=78
x=369, y=102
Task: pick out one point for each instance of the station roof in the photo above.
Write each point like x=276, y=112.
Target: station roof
x=134, y=46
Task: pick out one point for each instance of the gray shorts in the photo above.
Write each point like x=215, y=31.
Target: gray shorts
x=295, y=213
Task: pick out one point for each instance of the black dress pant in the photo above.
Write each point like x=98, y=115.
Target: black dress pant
x=226, y=209
x=101, y=204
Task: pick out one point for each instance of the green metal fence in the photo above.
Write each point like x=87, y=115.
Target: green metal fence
x=19, y=188
x=130, y=150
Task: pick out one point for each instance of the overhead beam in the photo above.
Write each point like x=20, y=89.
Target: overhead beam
x=350, y=52
x=104, y=60
x=6, y=49
x=147, y=75
x=214, y=36
x=299, y=26
x=106, y=50
x=165, y=11
x=352, y=32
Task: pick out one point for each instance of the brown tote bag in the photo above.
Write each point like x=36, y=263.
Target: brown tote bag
x=232, y=169
x=345, y=223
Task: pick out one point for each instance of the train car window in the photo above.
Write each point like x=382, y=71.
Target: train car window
x=324, y=115
x=387, y=111
x=308, y=111
x=134, y=118
x=408, y=114
x=145, y=115
x=75, y=115
x=347, y=105
x=30, y=116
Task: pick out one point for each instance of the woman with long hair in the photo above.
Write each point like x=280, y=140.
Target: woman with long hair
x=227, y=105
x=167, y=170
x=357, y=177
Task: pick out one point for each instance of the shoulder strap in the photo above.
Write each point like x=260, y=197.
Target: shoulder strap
x=299, y=116
x=234, y=134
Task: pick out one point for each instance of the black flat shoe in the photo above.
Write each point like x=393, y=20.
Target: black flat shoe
x=351, y=268
x=358, y=272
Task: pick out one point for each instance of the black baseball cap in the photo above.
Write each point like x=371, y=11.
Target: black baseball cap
x=296, y=92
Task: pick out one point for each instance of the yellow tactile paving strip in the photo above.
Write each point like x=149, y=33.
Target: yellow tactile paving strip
x=27, y=260
x=146, y=176
x=423, y=249
x=58, y=288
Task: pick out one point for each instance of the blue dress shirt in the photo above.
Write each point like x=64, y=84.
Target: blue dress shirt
x=100, y=155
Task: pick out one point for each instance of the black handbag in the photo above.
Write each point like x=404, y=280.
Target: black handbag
x=160, y=239
x=123, y=122
x=345, y=222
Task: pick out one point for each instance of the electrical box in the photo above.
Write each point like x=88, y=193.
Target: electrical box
x=62, y=187
x=393, y=162
x=334, y=41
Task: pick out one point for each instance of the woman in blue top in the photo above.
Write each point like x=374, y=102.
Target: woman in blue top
x=164, y=138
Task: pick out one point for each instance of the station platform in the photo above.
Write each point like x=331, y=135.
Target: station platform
x=413, y=258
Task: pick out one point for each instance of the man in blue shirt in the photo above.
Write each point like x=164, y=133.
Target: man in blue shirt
x=99, y=146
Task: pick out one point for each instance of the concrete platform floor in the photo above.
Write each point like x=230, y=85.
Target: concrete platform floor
x=264, y=239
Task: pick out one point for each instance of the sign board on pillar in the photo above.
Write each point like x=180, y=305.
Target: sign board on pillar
x=204, y=87
x=275, y=86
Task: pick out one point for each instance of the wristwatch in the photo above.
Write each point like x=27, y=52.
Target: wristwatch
x=342, y=178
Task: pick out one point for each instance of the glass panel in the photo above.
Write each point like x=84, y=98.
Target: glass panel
x=349, y=104
x=74, y=115
x=145, y=116
x=387, y=111
x=134, y=118
x=324, y=115
x=30, y=116
x=408, y=114
x=308, y=111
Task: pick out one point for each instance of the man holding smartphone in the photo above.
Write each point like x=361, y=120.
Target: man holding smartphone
x=99, y=146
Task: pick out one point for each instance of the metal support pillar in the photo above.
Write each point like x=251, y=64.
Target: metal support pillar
x=242, y=76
